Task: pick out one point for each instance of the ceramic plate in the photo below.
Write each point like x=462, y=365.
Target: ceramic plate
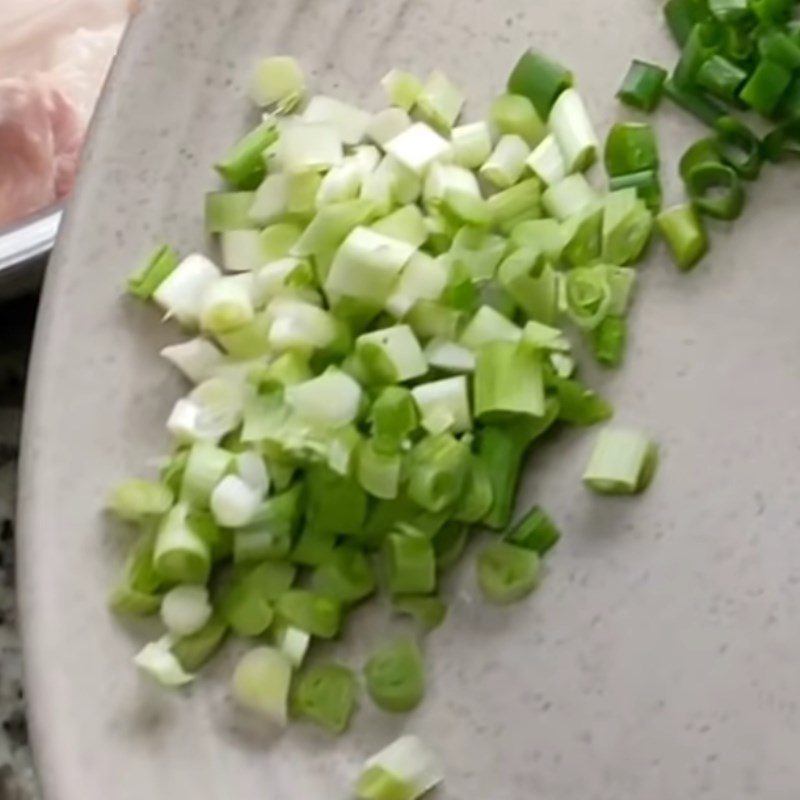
x=658, y=661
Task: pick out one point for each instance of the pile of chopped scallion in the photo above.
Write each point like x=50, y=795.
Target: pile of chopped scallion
x=384, y=341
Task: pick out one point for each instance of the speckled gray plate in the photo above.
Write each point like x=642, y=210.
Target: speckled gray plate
x=660, y=658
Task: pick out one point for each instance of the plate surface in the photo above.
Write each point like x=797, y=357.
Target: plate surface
x=658, y=661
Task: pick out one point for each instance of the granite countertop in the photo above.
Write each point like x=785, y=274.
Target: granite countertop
x=16, y=773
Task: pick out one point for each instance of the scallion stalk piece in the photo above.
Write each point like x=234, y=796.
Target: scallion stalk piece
x=685, y=235
x=515, y=114
x=395, y=676
x=326, y=695
x=534, y=531
x=277, y=82
x=631, y=147
x=261, y=683
x=507, y=573
x=429, y=612
x=642, y=86
x=162, y=262
x=622, y=462
x=508, y=382
x=405, y=770
x=569, y=121
x=540, y=79
x=716, y=191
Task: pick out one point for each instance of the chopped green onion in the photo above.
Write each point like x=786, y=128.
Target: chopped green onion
x=766, y=86
x=405, y=770
x=205, y=468
x=185, y=609
x=781, y=48
x=227, y=304
x=609, y=339
x=739, y=147
x=515, y=114
x=422, y=279
x=685, y=235
x=335, y=504
x=512, y=206
x=346, y=577
x=198, y=648
x=243, y=166
x=391, y=355
x=716, y=191
x=682, y=16
x=242, y=250
x=443, y=405
x=702, y=44
x=583, y=238
x=646, y=184
x=703, y=151
x=539, y=79
x=261, y=683
x=507, y=573
x=429, y=612
x=728, y=10
x=318, y=615
x=569, y=121
x=313, y=548
x=588, y=296
x=505, y=165
x=387, y=124
x=721, y=77
x=508, y=382
x=144, y=283
x=546, y=235
x=471, y=144
x=379, y=473
x=180, y=555
x=228, y=211
x=630, y=147
x=406, y=224
x=568, y=197
x=534, y=531
x=449, y=356
x=697, y=104
x=531, y=283
x=417, y=147
x=136, y=500
x=350, y=121
x=395, y=676
x=622, y=462
x=410, y=563
x=449, y=544
x=394, y=419
x=277, y=81
x=642, y=86
x=181, y=292
x=627, y=227
x=293, y=643
x=157, y=660
x=402, y=88
x=137, y=592
x=440, y=101
x=326, y=695
x=547, y=162
x=438, y=467
x=578, y=405
x=332, y=399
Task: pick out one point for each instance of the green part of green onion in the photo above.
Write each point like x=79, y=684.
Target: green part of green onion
x=144, y=282
x=313, y=549
x=609, y=340
x=449, y=544
x=335, y=504
x=516, y=204
x=393, y=418
x=647, y=185
x=642, y=86
x=721, y=77
x=437, y=468
x=270, y=533
x=508, y=382
x=243, y=166
x=627, y=227
x=684, y=233
x=198, y=648
x=379, y=473
x=739, y=147
x=477, y=497
x=317, y=615
x=395, y=676
x=702, y=44
x=180, y=555
x=766, y=86
x=515, y=114
x=545, y=235
x=534, y=531
x=531, y=283
x=219, y=540
x=136, y=500
x=682, y=16
x=578, y=405
x=779, y=47
x=326, y=695
x=588, y=296
x=507, y=573
x=622, y=462
x=631, y=147
x=772, y=11
x=229, y=211
x=347, y=576
x=703, y=151
x=138, y=592
x=697, y=104
x=540, y=79
x=376, y=783
x=245, y=608
x=716, y=191
x=728, y=11
x=583, y=235
x=782, y=142
x=411, y=564
x=428, y=612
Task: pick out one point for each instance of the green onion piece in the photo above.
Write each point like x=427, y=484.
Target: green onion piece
x=647, y=185
x=205, y=468
x=627, y=227
x=697, y=104
x=622, y=462
x=702, y=44
x=347, y=576
x=531, y=283
x=782, y=142
x=277, y=81
x=443, y=405
x=507, y=573
x=302, y=191
x=406, y=224
x=489, y=325
x=545, y=337
x=270, y=533
x=391, y=355
x=477, y=496
x=158, y=662
x=242, y=250
x=395, y=676
x=578, y=405
x=682, y=16
x=513, y=205
x=539, y=79
x=247, y=603
x=335, y=504
x=703, y=151
x=583, y=235
x=515, y=114
x=197, y=649
x=402, y=88
x=243, y=166
x=771, y=11
x=721, y=77
x=437, y=468
x=609, y=339
x=449, y=544
x=569, y=197
x=508, y=382
x=292, y=642
x=180, y=555
x=685, y=235
x=405, y=770
x=136, y=500
x=642, y=86
x=261, y=683
x=570, y=124
x=739, y=147
x=766, y=86
x=326, y=695
x=144, y=282
x=318, y=615
x=393, y=418
x=535, y=531
x=331, y=226
x=505, y=165
x=547, y=162
x=379, y=473
x=227, y=304
x=449, y=356
x=630, y=147
x=716, y=191
x=278, y=240
x=728, y=10
x=228, y=211
x=440, y=101
x=471, y=144
x=429, y=612
x=313, y=548
x=546, y=235
x=411, y=564
x=375, y=783
x=588, y=296
x=139, y=587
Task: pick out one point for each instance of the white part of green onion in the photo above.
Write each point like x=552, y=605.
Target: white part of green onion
x=402, y=88
x=175, y=535
x=227, y=303
x=563, y=364
x=472, y=144
x=489, y=325
x=293, y=643
x=440, y=101
x=423, y=278
x=159, y=662
x=412, y=763
x=331, y=399
x=252, y=469
x=198, y=359
x=547, y=162
x=569, y=121
x=399, y=349
x=342, y=182
x=444, y=178
x=181, y=293
x=505, y=165
x=309, y=147
x=271, y=202
x=212, y=409
x=449, y=356
x=270, y=281
x=406, y=224
x=279, y=82
x=444, y=405
x=242, y=250
x=377, y=189
x=185, y=609
x=387, y=124
x=622, y=281
x=234, y=502
x=569, y=197
x=367, y=157
x=366, y=266
x=545, y=337
x=405, y=185
x=296, y=324
x=622, y=462
x=350, y=121
x=417, y=147
x=261, y=683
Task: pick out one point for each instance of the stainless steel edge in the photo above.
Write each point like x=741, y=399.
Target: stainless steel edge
x=24, y=249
